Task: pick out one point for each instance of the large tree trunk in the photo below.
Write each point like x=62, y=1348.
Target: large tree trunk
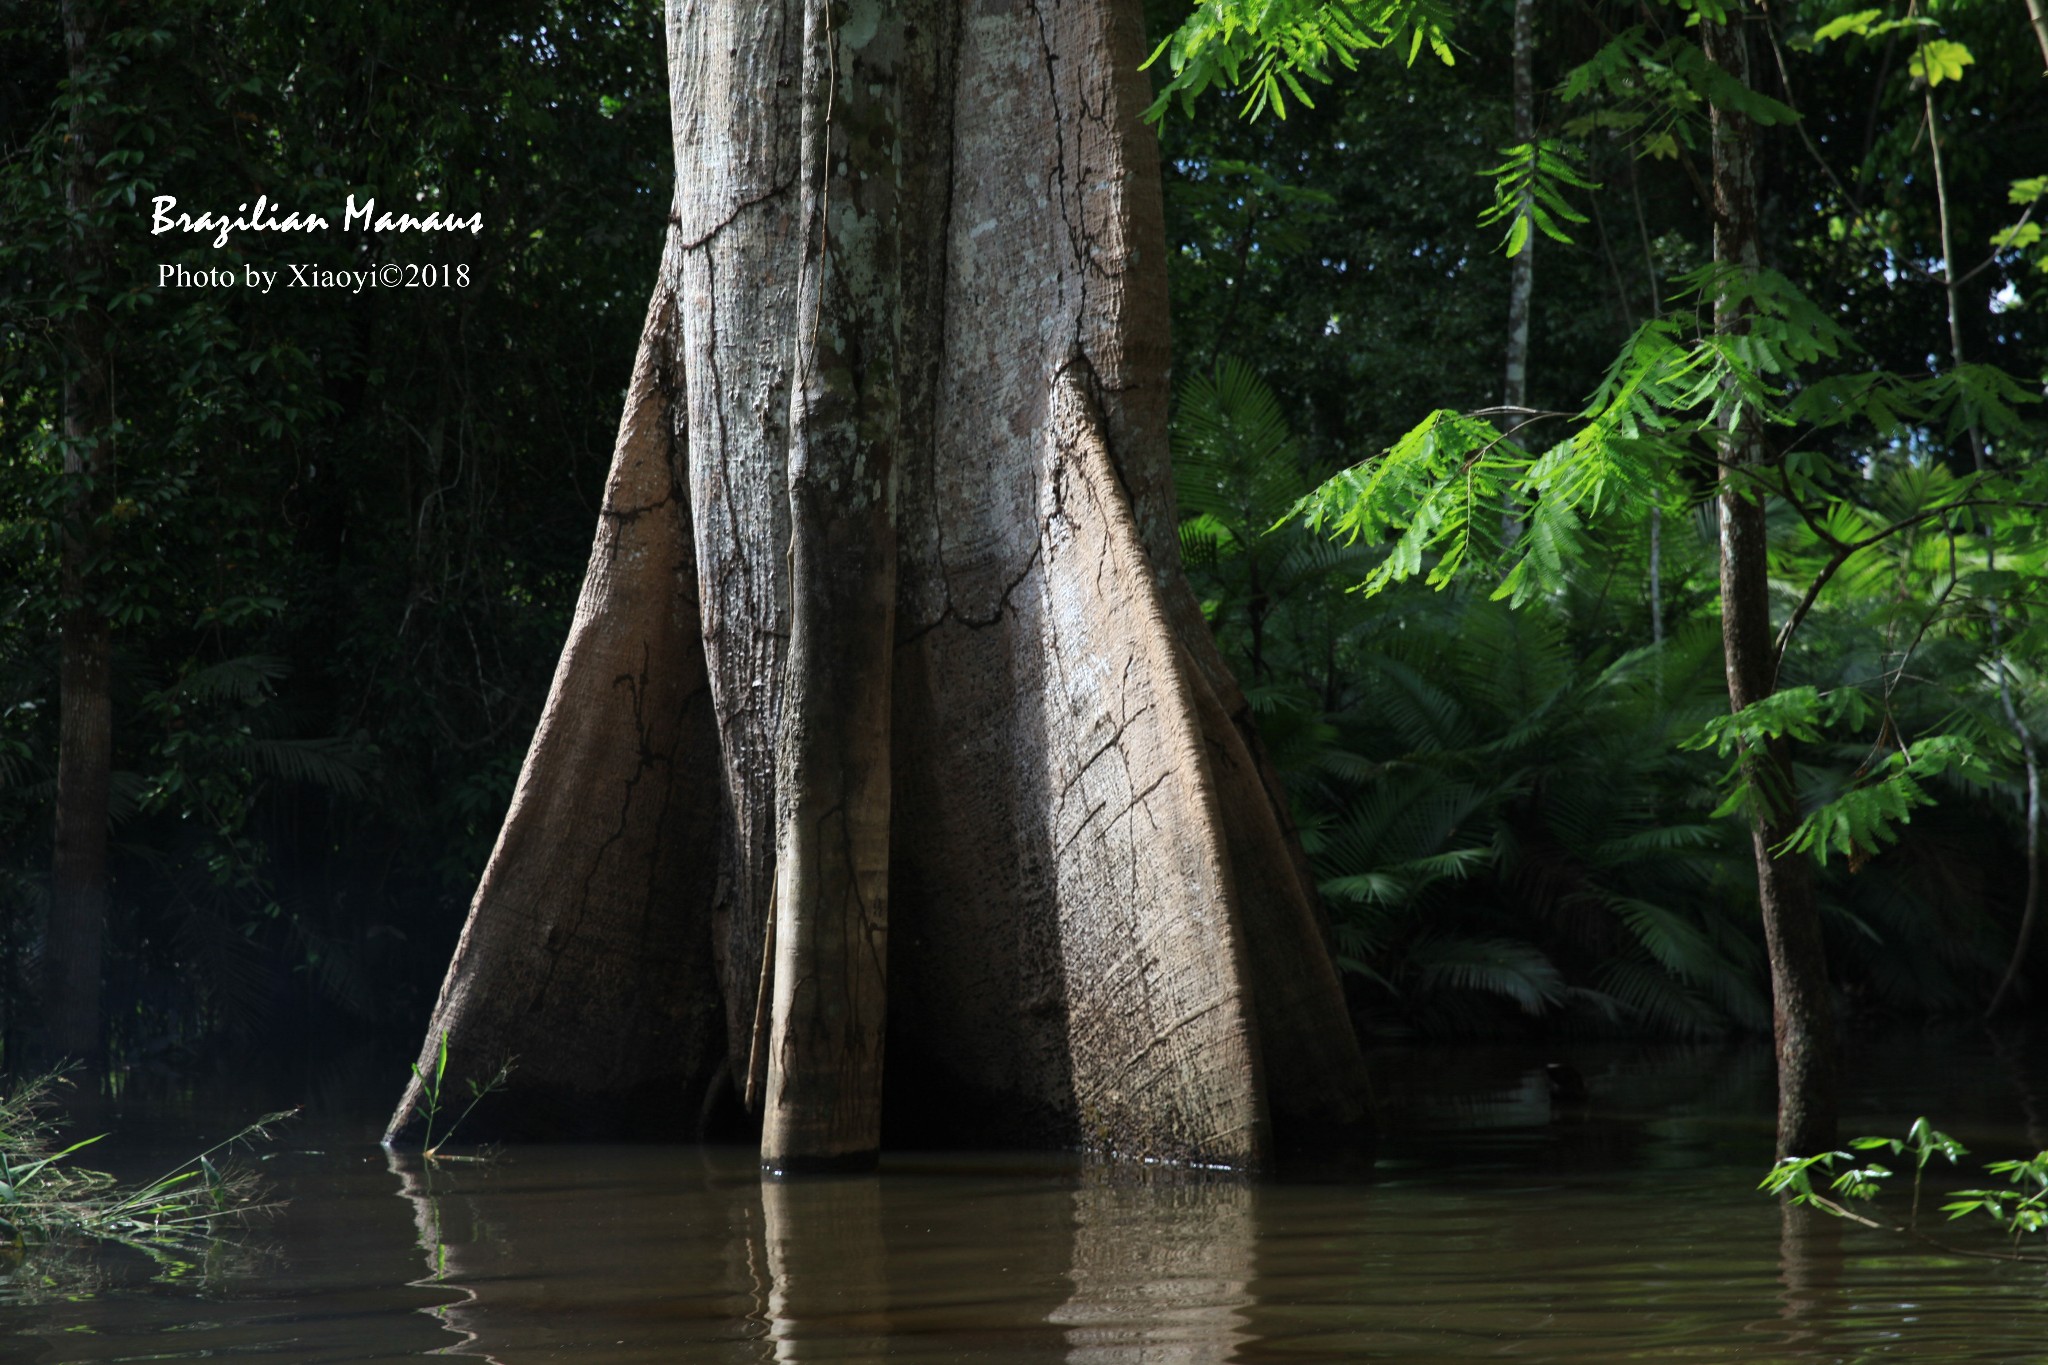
x=85, y=742
x=1803, y=1021
x=991, y=802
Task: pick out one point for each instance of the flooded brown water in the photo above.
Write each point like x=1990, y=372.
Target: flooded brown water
x=1495, y=1225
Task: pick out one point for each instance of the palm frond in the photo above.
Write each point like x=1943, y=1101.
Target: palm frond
x=1423, y=716
x=242, y=679
x=1233, y=452
x=340, y=765
x=1659, y=1000
x=1507, y=968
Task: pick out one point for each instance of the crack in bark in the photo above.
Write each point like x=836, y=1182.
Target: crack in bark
x=1059, y=142
x=1077, y=232
x=631, y=514
x=1167, y=1034
x=1080, y=829
x=771, y=193
x=738, y=545
x=942, y=242
x=950, y=613
x=557, y=938
x=1115, y=741
x=1138, y=799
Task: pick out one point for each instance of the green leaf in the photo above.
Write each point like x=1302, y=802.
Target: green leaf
x=2027, y=191
x=2017, y=237
x=1722, y=90
x=1267, y=47
x=1528, y=189
x=1867, y=816
x=1938, y=60
x=1798, y=712
x=1858, y=23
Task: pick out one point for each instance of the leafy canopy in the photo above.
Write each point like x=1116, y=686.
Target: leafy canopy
x=1267, y=48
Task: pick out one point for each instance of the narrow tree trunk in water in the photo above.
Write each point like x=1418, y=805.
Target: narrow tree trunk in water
x=85, y=744
x=1803, y=1010
x=973, y=746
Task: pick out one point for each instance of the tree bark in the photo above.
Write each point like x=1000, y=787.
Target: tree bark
x=980, y=764
x=1803, y=1023
x=1522, y=268
x=866, y=209
x=586, y=960
x=1522, y=265
x=85, y=746
x=2037, y=15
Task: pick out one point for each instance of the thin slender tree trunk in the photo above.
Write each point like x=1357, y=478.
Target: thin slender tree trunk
x=990, y=800
x=2030, y=904
x=2039, y=16
x=73, y=947
x=1522, y=265
x=1656, y=512
x=1803, y=1022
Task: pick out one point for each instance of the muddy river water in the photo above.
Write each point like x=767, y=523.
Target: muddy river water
x=1496, y=1223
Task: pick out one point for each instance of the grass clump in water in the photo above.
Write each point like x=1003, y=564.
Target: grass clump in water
x=432, y=1103
x=47, y=1199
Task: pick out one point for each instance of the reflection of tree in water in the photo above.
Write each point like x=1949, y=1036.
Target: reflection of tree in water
x=598, y=1255
x=611, y=1255
x=933, y=1265
x=1161, y=1269
x=1152, y=1269
x=828, y=1269
x=423, y=1187
x=1809, y=1277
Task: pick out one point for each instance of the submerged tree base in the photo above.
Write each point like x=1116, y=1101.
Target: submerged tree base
x=995, y=809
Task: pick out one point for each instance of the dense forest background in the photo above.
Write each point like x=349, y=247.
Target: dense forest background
x=343, y=534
